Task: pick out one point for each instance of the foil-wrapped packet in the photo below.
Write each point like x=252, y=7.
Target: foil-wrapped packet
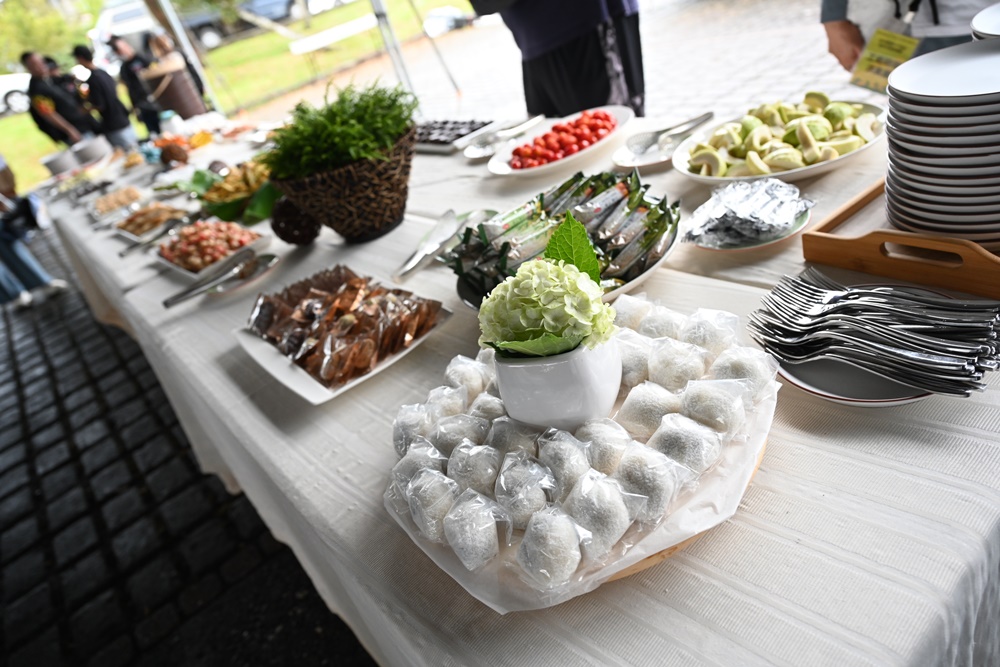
x=747, y=213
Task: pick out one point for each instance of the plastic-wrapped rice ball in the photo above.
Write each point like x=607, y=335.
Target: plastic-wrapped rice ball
x=755, y=366
x=451, y=431
x=448, y=401
x=471, y=529
x=635, y=351
x=672, y=364
x=412, y=421
x=550, y=551
x=488, y=407
x=605, y=441
x=509, y=436
x=716, y=403
x=647, y=472
x=689, y=443
x=598, y=504
x=468, y=373
x=643, y=408
x=487, y=357
x=566, y=458
x=421, y=455
x=661, y=322
x=475, y=467
x=521, y=487
x=629, y=310
x=714, y=330
x=431, y=494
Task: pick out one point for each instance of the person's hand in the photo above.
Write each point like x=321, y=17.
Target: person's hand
x=845, y=42
x=74, y=135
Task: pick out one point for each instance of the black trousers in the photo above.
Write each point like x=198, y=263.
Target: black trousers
x=574, y=76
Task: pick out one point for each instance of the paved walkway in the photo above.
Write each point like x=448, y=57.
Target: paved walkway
x=114, y=549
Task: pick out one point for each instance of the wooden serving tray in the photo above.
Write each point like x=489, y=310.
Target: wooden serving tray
x=657, y=558
x=950, y=263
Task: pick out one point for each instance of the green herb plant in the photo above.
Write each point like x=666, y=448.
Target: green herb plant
x=359, y=124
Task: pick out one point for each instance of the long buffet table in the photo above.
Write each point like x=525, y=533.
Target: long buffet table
x=868, y=536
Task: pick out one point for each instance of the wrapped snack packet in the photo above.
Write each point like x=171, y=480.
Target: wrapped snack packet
x=550, y=550
x=686, y=441
x=475, y=467
x=566, y=458
x=470, y=527
x=421, y=455
x=714, y=330
x=510, y=436
x=644, y=407
x=522, y=487
x=605, y=441
x=488, y=407
x=635, y=350
x=755, y=366
x=412, y=421
x=593, y=212
x=629, y=310
x=469, y=373
x=672, y=364
x=662, y=322
x=431, y=495
x=718, y=404
x=447, y=401
x=451, y=431
x=599, y=504
x=646, y=472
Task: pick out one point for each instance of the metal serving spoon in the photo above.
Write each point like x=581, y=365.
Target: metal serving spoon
x=642, y=142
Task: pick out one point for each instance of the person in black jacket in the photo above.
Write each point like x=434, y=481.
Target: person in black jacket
x=578, y=57
x=103, y=97
x=132, y=66
x=57, y=113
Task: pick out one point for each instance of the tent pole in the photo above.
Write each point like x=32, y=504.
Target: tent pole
x=391, y=44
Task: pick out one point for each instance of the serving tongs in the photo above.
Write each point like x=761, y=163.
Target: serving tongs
x=485, y=145
x=242, y=265
x=642, y=142
x=153, y=237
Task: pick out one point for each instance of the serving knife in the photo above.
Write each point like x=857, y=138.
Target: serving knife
x=436, y=240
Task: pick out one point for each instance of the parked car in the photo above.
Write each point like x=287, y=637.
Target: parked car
x=131, y=20
x=14, y=92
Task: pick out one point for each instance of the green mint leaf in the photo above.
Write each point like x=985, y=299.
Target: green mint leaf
x=571, y=243
x=203, y=180
x=545, y=345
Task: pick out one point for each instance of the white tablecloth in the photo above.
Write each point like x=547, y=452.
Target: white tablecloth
x=868, y=537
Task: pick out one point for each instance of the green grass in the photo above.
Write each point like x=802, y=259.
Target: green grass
x=244, y=74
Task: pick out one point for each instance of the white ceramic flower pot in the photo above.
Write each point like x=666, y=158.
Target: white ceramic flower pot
x=564, y=390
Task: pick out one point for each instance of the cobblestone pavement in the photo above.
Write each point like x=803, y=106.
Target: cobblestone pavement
x=115, y=550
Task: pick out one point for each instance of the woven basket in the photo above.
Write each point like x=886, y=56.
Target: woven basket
x=360, y=201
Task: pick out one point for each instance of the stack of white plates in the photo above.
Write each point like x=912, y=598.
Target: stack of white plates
x=943, y=131
x=986, y=24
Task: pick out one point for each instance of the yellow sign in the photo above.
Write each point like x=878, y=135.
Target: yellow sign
x=884, y=52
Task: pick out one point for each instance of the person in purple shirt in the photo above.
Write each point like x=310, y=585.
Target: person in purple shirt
x=576, y=55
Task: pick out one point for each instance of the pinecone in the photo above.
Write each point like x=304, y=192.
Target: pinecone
x=291, y=225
